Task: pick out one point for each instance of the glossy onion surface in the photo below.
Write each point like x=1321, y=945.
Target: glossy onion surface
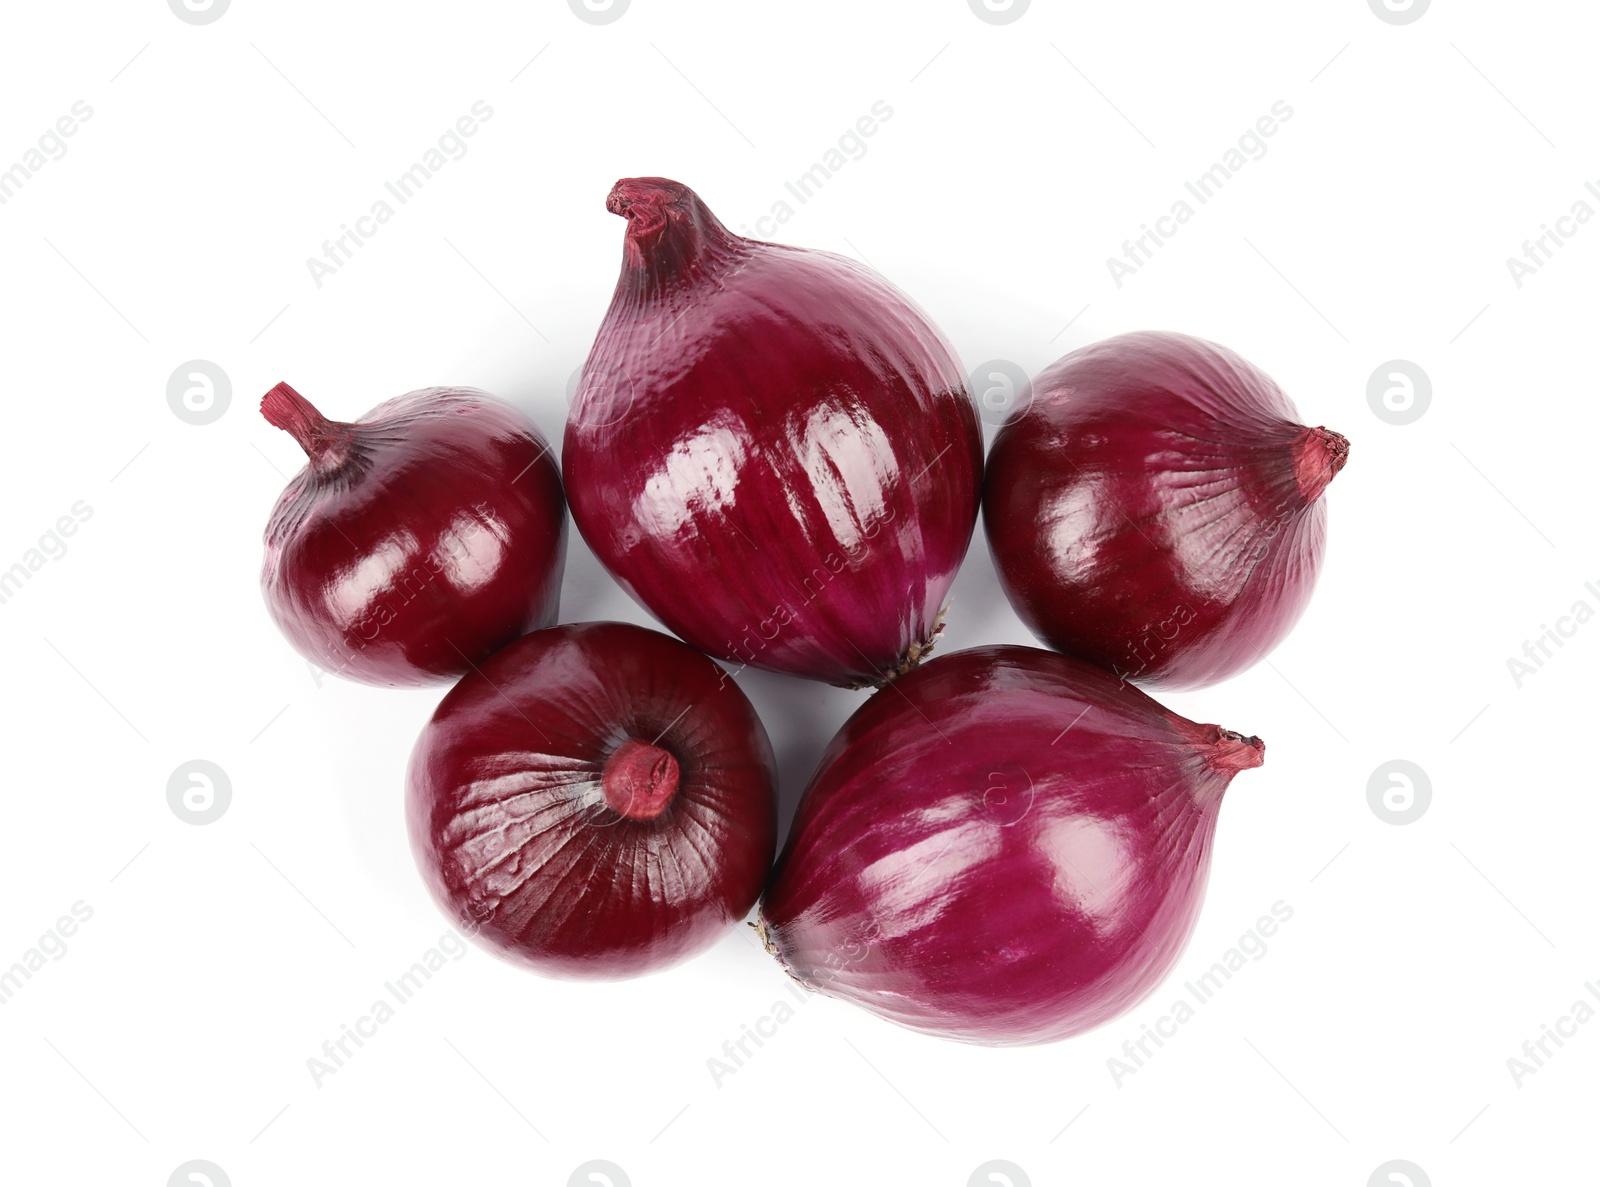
x=773, y=450
x=597, y=800
x=1006, y=846
x=1157, y=509
x=416, y=540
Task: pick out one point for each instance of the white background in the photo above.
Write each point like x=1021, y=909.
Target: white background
x=1420, y=958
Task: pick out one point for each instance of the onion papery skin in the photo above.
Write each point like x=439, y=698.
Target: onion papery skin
x=598, y=800
x=418, y=539
x=1005, y=847
x=773, y=450
x=1156, y=508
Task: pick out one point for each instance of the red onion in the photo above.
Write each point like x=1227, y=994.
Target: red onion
x=1006, y=846
x=418, y=540
x=596, y=800
x=773, y=450
x=1157, y=509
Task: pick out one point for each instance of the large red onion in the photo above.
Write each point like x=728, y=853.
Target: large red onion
x=1157, y=509
x=418, y=539
x=596, y=800
x=772, y=449
x=1006, y=846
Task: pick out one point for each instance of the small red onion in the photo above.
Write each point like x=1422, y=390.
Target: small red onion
x=418, y=539
x=772, y=450
x=1156, y=508
x=595, y=800
x=1006, y=846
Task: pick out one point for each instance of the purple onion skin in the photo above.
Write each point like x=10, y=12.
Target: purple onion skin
x=773, y=450
x=1005, y=847
x=418, y=539
x=597, y=800
x=1157, y=509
